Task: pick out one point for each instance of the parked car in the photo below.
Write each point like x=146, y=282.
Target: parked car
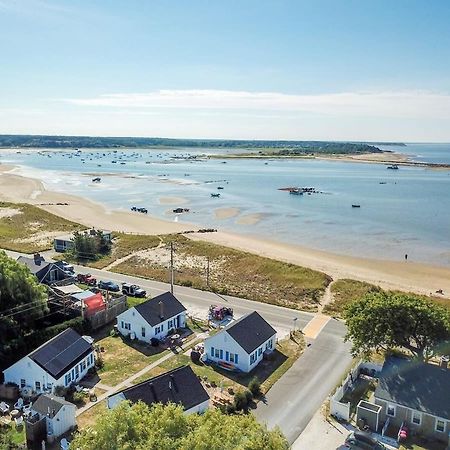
x=86, y=278
x=108, y=286
x=68, y=268
x=361, y=440
x=133, y=290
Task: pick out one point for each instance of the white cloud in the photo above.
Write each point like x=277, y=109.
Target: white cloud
x=408, y=104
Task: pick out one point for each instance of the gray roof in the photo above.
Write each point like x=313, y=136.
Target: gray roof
x=250, y=331
x=180, y=386
x=151, y=309
x=49, y=405
x=416, y=385
x=34, y=264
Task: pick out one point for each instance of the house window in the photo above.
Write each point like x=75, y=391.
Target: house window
x=236, y=358
x=227, y=355
x=416, y=417
x=212, y=352
x=158, y=330
x=127, y=326
x=22, y=382
x=143, y=331
x=221, y=354
x=83, y=365
x=77, y=372
x=217, y=354
x=440, y=425
x=390, y=410
x=259, y=351
x=67, y=379
x=232, y=357
x=38, y=385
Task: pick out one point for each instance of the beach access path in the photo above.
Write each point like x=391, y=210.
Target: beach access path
x=294, y=399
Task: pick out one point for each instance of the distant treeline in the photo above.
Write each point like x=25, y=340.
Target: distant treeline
x=294, y=147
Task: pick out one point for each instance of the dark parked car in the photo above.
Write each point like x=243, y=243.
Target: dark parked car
x=108, y=286
x=361, y=440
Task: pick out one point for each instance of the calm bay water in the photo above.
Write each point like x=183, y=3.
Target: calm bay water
x=402, y=211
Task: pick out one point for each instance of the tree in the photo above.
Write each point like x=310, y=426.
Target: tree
x=88, y=245
x=385, y=320
x=254, y=386
x=22, y=298
x=140, y=427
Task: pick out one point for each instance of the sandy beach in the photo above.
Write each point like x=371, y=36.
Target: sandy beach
x=406, y=276
x=19, y=189
x=226, y=213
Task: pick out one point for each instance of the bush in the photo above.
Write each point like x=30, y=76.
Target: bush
x=240, y=401
x=60, y=391
x=154, y=341
x=255, y=387
x=248, y=396
x=231, y=390
x=230, y=409
x=99, y=363
x=78, y=398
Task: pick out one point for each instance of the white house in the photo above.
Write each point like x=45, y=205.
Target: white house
x=61, y=361
x=180, y=386
x=152, y=318
x=242, y=344
x=58, y=413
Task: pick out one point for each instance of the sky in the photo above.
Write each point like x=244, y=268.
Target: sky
x=228, y=69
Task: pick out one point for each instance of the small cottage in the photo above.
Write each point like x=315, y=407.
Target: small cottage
x=242, y=344
x=62, y=361
x=154, y=318
x=180, y=386
x=57, y=414
x=416, y=394
x=45, y=271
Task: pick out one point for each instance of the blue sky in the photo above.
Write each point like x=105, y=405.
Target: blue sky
x=255, y=69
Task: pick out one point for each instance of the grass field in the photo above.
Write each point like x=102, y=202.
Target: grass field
x=124, y=245
x=346, y=291
x=27, y=228
x=234, y=272
x=122, y=359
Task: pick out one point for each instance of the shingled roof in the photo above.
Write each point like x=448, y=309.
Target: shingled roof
x=166, y=303
x=180, y=386
x=250, y=331
x=49, y=405
x=61, y=353
x=417, y=385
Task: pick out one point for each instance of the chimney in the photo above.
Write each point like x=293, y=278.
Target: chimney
x=161, y=310
x=38, y=258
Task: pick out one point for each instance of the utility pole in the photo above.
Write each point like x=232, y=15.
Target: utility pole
x=207, y=271
x=171, y=267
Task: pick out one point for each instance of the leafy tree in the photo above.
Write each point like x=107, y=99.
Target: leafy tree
x=386, y=320
x=140, y=427
x=22, y=298
x=89, y=245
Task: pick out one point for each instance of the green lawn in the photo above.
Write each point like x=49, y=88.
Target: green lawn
x=122, y=359
x=28, y=229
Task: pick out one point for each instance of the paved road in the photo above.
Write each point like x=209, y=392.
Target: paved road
x=292, y=402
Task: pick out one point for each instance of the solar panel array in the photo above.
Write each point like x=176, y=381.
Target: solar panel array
x=61, y=352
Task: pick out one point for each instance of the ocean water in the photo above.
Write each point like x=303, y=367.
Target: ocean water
x=406, y=211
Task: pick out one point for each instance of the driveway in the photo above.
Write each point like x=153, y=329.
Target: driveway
x=293, y=401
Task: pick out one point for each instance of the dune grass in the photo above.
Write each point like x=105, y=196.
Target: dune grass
x=237, y=273
x=123, y=245
x=345, y=291
x=27, y=228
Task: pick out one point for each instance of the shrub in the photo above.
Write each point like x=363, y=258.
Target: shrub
x=99, y=362
x=154, y=341
x=78, y=398
x=60, y=391
x=248, y=396
x=254, y=386
x=231, y=390
x=240, y=401
x=230, y=409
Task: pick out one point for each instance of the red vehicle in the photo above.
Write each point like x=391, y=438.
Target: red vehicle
x=86, y=278
x=219, y=312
